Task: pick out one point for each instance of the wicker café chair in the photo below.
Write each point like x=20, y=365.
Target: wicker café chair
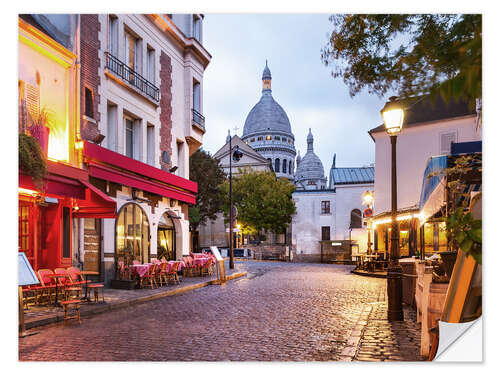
x=76, y=277
x=149, y=276
x=48, y=285
x=69, y=287
x=172, y=273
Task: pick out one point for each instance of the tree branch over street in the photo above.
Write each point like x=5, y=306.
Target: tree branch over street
x=207, y=172
x=411, y=55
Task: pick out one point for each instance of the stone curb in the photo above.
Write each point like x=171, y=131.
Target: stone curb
x=369, y=274
x=123, y=304
x=351, y=349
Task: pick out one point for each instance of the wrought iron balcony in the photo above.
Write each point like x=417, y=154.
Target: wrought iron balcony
x=130, y=76
x=198, y=119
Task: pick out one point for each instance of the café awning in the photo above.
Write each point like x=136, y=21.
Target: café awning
x=95, y=205
x=432, y=196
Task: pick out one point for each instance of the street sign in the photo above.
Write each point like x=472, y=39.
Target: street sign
x=368, y=212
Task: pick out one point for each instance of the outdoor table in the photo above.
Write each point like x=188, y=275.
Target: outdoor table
x=86, y=274
x=140, y=269
x=57, y=276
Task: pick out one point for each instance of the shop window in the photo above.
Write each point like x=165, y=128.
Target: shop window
x=443, y=242
x=428, y=238
x=24, y=228
x=325, y=207
x=325, y=233
x=132, y=233
x=404, y=238
x=166, y=238
x=355, y=218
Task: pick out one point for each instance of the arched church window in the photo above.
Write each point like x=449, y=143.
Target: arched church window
x=252, y=140
x=260, y=138
x=277, y=165
x=276, y=138
x=270, y=163
x=355, y=218
x=290, y=170
x=284, y=165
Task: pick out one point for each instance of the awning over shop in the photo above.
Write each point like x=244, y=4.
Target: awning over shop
x=55, y=185
x=112, y=166
x=432, y=196
x=96, y=204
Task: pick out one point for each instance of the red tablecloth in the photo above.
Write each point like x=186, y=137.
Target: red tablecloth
x=140, y=269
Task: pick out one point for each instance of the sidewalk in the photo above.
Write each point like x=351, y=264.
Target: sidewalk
x=38, y=316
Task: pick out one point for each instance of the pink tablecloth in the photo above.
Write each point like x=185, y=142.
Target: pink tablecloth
x=181, y=264
x=140, y=269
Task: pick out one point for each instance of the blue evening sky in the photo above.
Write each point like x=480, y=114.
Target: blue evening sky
x=302, y=85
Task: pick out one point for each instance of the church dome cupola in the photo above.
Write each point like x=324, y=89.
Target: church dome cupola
x=310, y=174
x=266, y=78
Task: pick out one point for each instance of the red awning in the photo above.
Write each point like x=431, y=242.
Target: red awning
x=55, y=185
x=112, y=166
x=96, y=204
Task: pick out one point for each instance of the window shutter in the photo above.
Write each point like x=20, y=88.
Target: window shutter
x=32, y=100
x=446, y=140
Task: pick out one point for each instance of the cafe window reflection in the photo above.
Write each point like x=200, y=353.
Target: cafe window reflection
x=166, y=238
x=132, y=233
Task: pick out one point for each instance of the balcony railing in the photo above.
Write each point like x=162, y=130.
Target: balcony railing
x=198, y=119
x=132, y=77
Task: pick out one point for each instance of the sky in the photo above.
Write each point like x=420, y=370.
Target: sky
x=301, y=84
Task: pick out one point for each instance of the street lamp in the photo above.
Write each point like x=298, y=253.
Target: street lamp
x=368, y=201
x=393, y=115
x=236, y=156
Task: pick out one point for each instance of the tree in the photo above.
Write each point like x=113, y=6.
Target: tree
x=263, y=202
x=409, y=54
x=207, y=172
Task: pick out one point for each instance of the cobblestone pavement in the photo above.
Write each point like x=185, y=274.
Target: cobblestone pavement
x=280, y=312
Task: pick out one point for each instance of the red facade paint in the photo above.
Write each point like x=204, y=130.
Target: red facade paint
x=165, y=108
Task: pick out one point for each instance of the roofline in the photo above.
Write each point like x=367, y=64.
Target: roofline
x=315, y=191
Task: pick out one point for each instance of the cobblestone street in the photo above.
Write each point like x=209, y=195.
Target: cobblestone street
x=280, y=312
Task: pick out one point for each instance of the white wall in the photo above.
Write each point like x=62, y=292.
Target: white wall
x=348, y=198
x=307, y=222
x=415, y=145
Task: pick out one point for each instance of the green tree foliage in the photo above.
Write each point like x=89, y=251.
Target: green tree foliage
x=207, y=172
x=263, y=202
x=410, y=54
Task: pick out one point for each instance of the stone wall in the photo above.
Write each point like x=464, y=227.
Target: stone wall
x=268, y=252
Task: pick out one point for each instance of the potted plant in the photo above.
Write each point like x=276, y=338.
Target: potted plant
x=31, y=159
x=39, y=128
x=124, y=280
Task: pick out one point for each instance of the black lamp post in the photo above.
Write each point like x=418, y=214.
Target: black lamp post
x=393, y=115
x=236, y=156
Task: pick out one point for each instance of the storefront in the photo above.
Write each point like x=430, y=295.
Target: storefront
x=152, y=205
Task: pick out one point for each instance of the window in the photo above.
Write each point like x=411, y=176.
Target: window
x=268, y=137
x=252, y=139
x=150, y=134
x=325, y=207
x=270, y=163
x=197, y=28
x=132, y=138
x=132, y=51
x=276, y=138
x=283, y=139
x=150, y=65
x=355, y=218
x=260, y=138
x=196, y=96
x=129, y=137
x=277, y=165
x=284, y=166
x=325, y=233
x=132, y=233
x=113, y=35
x=111, y=125
x=89, y=103
x=290, y=170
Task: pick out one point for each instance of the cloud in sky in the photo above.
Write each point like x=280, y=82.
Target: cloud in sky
x=240, y=45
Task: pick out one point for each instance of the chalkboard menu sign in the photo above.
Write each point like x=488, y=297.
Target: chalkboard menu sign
x=26, y=274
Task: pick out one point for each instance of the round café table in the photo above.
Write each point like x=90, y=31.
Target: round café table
x=86, y=274
x=57, y=276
